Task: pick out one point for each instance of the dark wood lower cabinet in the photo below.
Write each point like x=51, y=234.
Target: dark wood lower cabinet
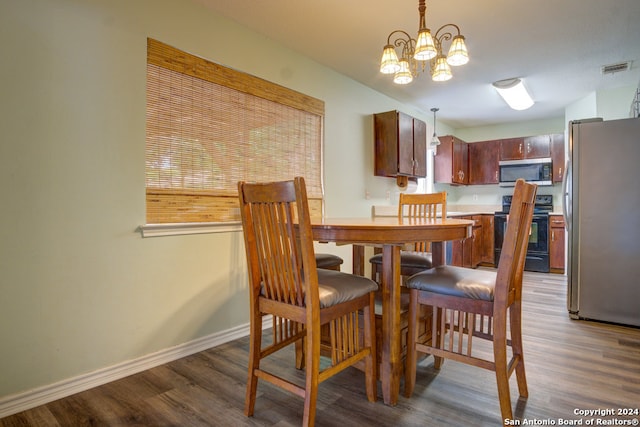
x=477, y=249
x=556, y=244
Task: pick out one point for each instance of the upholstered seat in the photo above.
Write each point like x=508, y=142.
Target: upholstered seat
x=408, y=259
x=419, y=257
x=456, y=282
x=335, y=287
x=328, y=261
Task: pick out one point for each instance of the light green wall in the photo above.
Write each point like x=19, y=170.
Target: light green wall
x=511, y=130
x=80, y=289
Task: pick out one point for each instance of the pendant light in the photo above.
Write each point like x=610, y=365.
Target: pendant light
x=435, y=141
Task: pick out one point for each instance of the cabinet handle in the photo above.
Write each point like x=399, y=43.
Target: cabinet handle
x=528, y=147
x=496, y=175
x=560, y=171
x=520, y=148
x=553, y=236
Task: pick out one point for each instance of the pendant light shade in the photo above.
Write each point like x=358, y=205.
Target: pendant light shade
x=403, y=76
x=458, y=54
x=425, y=47
x=441, y=71
x=389, y=62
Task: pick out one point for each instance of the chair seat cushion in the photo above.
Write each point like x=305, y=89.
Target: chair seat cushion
x=455, y=281
x=408, y=259
x=328, y=260
x=335, y=287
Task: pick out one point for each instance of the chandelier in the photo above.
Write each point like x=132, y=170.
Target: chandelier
x=414, y=53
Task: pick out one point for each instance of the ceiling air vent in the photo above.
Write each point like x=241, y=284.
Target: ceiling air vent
x=616, y=68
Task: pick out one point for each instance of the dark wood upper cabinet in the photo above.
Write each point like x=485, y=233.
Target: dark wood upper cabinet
x=400, y=145
x=557, y=156
x=483, y=162
x=536, y=147
x=451, y=161
x=530, y=147
x=512, y=149
x=458, y=162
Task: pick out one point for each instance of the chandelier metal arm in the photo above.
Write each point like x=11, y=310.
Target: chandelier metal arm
x=407, y=44
x=446, y=36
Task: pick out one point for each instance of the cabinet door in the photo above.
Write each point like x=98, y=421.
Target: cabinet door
x=556, y=243
x=385, y=128
x=557, y=156
x=536, y=147
x=443, y=161
x=405, y=144
x=488, y=240
x=483, y=162
x=477, y=241
x=451, y=161
x=460, y=161
x=419, y=148
x=512, y=149
x=457, y=252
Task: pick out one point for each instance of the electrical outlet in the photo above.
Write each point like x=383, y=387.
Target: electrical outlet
x=475, y=197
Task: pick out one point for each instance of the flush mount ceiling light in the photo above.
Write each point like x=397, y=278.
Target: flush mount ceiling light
x=414, y=53
x=514, y=93
x=434, y=139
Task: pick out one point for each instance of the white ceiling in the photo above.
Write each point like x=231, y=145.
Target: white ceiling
x=558, y=47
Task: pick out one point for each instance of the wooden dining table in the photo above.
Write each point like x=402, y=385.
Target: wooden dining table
x=392, y=234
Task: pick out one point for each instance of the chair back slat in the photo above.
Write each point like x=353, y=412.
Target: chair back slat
x=274, y=241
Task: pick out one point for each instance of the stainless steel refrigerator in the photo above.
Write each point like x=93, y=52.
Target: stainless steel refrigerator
x=602, y=214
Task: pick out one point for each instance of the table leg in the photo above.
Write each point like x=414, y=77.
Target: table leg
x=357, y=259
x=391, y=360
x=437, y=254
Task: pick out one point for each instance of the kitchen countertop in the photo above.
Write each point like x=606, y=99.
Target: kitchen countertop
x=452, y=210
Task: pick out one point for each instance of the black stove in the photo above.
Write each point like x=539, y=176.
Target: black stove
x=538, y=248
x=543, y=204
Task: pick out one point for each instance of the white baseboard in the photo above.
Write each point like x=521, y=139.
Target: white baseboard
x=13, y=404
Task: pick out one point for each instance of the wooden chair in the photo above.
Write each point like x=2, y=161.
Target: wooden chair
x=285, y=283
x=414, y=206
x=470, y=303
x=328, y=261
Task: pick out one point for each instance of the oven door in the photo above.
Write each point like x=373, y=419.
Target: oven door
x=538, y=248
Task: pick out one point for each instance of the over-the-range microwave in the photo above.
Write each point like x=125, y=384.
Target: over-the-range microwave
x=536, y=171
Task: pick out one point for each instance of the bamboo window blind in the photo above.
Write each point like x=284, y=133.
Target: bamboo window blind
x=209, y=127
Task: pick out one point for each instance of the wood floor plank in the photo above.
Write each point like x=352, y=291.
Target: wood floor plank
x=570, y=365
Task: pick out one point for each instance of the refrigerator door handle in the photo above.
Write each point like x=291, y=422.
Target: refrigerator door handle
x=566, y=197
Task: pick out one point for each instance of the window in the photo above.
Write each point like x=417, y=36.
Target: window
x=209, y=127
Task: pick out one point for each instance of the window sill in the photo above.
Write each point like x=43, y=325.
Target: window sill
x=177, y=229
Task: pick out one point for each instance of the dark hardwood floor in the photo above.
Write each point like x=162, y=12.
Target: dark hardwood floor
x=571, y=365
